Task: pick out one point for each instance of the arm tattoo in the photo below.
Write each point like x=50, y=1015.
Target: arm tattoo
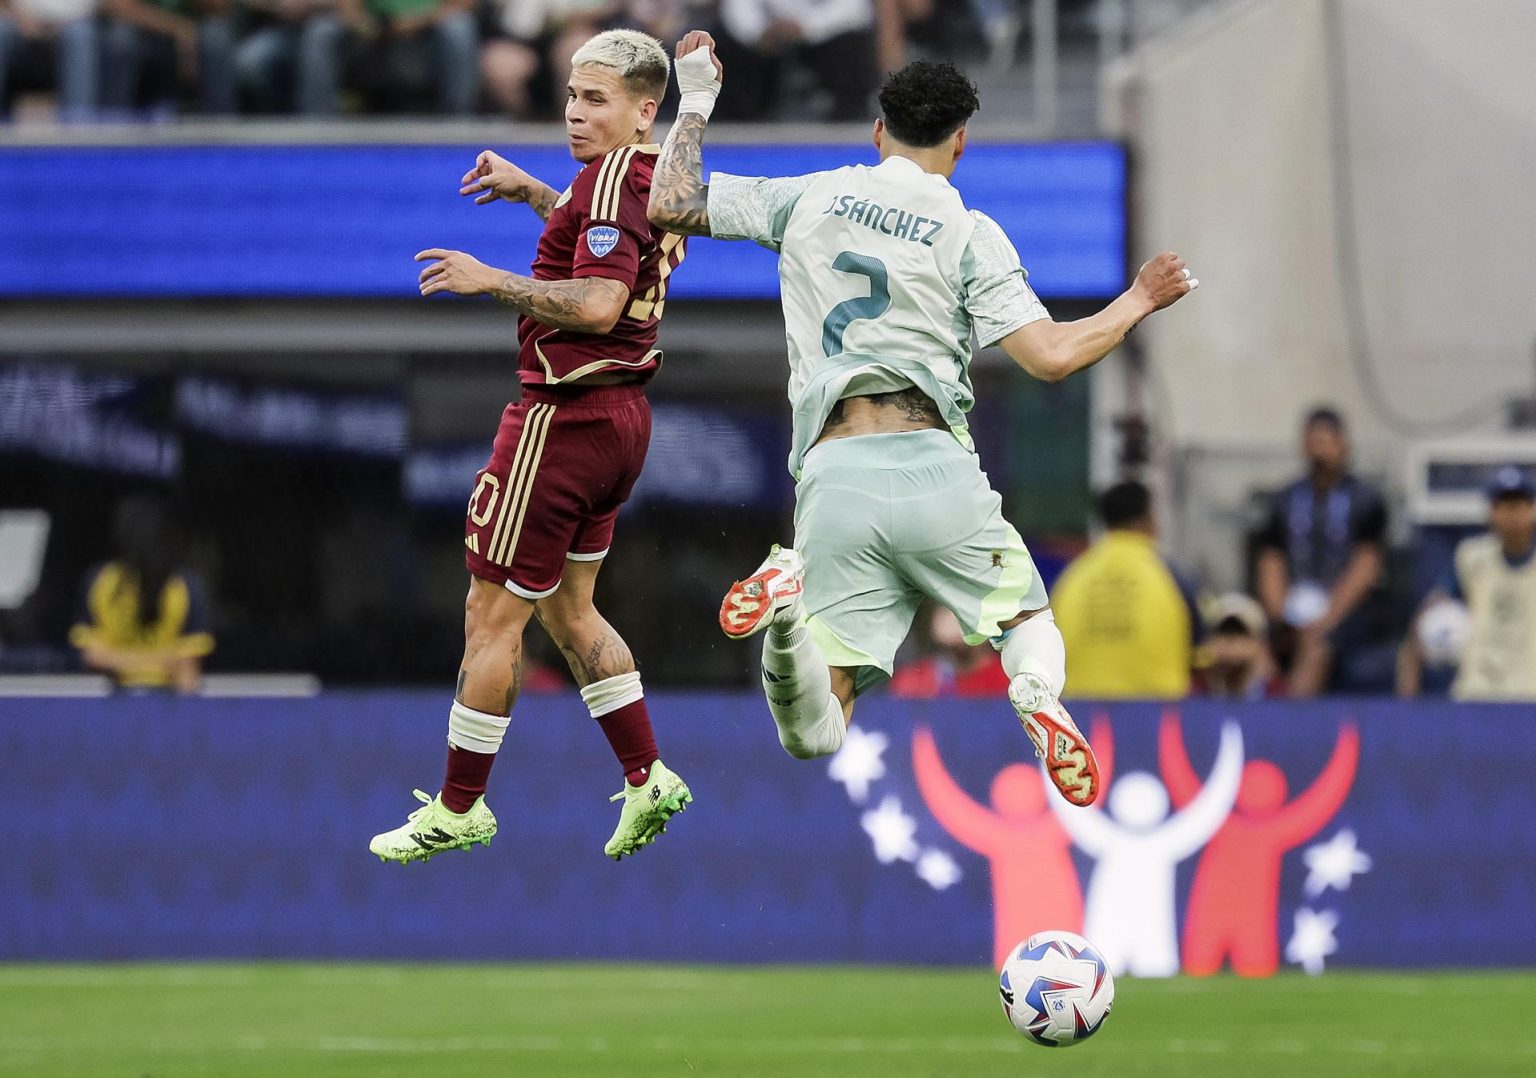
x=541, y=199
x=679, y=195
x=561, y=304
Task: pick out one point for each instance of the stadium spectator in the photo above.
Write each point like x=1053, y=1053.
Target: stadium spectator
x=955, y=668
x=1321, y=562
x=153, y=48
x=406, y=55
x=510, y=60
x=1494, y=575
x=1129, y=621
x=44, y=43
x=1235, y=660
x=892, y=17
x=284, y=61
x=833, y=39
x=1001, y=22
x=143, y=618
x=526, y=61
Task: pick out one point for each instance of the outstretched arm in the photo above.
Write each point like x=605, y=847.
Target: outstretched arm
x=1305, y=816
x=1101, y=735
x=585, y=305
x=679, y=196
x=1173, y=761
x=1188, y=830
x=971, y=824
x=494, y=177
x=1052, y=350
x=1089, y=828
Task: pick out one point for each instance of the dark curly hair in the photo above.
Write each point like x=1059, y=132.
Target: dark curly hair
x=924, y=103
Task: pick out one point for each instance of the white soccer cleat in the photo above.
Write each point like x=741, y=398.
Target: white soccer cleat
x=767, y=595
x=1067, y=756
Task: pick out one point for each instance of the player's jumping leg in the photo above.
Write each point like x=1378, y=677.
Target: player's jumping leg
x=604, y=668
x=796, y=679
x=1035, y=657
x=457, y=818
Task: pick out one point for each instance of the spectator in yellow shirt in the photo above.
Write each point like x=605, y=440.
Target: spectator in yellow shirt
x=1128, y=621
x=143, y=620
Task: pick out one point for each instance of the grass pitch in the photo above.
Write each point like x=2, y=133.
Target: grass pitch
x=294, y=1020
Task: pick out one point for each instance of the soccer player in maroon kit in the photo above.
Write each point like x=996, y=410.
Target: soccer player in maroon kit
x=542, y=512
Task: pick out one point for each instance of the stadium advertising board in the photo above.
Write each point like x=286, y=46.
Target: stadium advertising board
x=344, y=221
x=1266, y=837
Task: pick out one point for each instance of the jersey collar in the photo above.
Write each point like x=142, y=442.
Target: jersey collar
x=899, y=163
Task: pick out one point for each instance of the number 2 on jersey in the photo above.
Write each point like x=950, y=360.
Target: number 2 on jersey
x=871, y=306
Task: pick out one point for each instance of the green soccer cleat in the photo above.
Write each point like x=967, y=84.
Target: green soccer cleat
x=646, y=810
x=432, y=829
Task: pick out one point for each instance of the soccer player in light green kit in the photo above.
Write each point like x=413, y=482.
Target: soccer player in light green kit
x=885, y=276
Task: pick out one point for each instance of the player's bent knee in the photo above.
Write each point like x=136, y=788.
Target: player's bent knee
x=565, y=622
x=801, y=749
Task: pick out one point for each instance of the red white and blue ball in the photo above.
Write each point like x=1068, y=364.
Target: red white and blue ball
x=1056, y=989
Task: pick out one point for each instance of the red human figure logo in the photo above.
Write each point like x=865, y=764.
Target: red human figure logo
x=1034, y=882
x=1235, y=897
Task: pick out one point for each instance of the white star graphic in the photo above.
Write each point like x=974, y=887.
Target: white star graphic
x=1312, y=939
x=891, y=830
x=1334, y=863
x=859, y=762
x=937, y=869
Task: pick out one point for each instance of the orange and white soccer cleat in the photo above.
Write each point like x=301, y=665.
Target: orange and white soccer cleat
x=1061, y=746
x=762, y=598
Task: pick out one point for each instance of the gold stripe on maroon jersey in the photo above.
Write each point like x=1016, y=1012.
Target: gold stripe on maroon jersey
x=550, y=378
x=610, y=184
x=597, y=186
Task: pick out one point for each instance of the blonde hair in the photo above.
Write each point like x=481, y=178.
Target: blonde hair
x=638, y=59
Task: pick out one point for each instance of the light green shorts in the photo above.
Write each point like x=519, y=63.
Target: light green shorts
x=885, y=519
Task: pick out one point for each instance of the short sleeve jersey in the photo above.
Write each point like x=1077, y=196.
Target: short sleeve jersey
x=885, y=276
x=1317, y=531
x=599, y=228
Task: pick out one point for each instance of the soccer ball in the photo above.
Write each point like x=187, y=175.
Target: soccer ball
x=1056, y=989
x=1444, y=631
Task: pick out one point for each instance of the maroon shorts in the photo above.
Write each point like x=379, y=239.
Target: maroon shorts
x=563, y=462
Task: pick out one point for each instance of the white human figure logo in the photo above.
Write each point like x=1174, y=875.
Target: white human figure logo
x=1129, y=908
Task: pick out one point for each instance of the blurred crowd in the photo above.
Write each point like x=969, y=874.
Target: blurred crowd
x=155, y=59
x=1327, y=611
x=1331, y=607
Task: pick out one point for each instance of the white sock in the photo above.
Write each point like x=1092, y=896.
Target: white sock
x=799, y=690
x=476, y=731
x=612, y=693
x=1035, y=647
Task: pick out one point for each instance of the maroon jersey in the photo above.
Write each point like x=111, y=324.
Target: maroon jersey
x=598, y=228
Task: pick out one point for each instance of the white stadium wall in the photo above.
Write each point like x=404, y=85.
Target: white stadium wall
x=1364, y=227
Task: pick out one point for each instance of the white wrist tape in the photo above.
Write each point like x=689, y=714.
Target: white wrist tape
x=698, y=82
x=697, y=102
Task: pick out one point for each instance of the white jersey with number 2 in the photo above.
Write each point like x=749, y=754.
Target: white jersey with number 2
x=885, y=276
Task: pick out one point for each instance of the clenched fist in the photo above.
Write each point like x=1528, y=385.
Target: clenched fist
x=1165, y=280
